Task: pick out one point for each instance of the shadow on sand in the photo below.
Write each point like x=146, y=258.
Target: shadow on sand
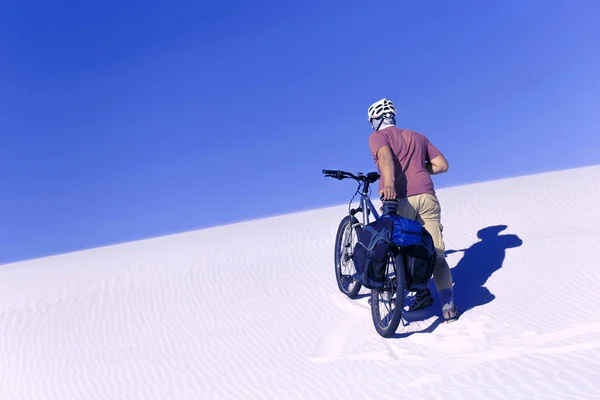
x=470, y=274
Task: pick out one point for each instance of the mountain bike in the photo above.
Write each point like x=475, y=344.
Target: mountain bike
x=395, y=287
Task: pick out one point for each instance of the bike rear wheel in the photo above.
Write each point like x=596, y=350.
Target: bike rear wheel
x=390, y=298
x=345, y=239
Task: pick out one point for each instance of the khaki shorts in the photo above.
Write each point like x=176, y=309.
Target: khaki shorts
x=425, y=208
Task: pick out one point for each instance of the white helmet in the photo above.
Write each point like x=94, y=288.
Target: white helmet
x=383, y=107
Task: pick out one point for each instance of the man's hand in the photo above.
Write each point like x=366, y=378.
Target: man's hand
x=388, y=193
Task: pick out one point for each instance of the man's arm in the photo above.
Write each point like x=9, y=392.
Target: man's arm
x=438, y=165
x=382, y=153
x=386, y=165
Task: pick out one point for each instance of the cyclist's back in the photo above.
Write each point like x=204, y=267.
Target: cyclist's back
x=411, y=149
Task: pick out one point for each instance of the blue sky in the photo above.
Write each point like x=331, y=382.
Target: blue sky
x=123, y=120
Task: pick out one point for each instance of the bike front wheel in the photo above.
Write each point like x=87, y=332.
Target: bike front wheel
x=387, y=303
x=345, y=240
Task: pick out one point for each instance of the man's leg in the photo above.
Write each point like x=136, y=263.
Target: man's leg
x=429, y=214
x=408, y=208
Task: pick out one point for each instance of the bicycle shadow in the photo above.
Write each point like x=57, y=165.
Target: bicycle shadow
x=470, y=274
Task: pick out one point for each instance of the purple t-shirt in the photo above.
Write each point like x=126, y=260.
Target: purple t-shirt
x=410, y=149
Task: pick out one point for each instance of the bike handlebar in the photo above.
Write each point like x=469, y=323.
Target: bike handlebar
x=339, y=174
x=371, y=176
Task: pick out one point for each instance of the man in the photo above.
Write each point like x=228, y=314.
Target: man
x=406, y=160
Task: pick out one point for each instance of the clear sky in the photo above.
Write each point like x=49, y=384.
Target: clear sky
x=123, y=120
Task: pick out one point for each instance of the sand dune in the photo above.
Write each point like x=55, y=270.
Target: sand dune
x=252, y=311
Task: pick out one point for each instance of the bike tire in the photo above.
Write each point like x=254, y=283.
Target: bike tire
x=346, y=223
x=399, y=286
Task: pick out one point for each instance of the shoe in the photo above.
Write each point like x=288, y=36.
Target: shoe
x=423, y=299
x=449, y=312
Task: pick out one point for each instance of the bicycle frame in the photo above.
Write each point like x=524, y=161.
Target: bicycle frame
x=365, y=207
x=343, y=251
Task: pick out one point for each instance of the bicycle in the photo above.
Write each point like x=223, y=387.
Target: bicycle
x=396, y=272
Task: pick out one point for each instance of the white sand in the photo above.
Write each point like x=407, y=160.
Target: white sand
x=252, y=311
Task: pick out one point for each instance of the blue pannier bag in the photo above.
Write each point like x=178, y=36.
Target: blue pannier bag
x=416, y=243
x=371, y=253
x=406, y=232
x=420, y=262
